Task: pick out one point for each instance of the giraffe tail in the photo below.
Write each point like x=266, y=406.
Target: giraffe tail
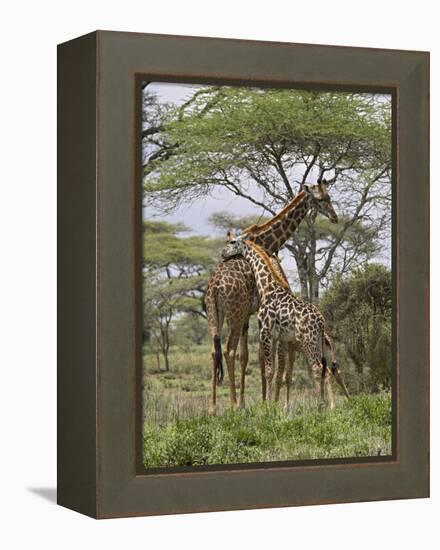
x=325, y=343
x=218, y=361
x=334, y=366
x=215, y=327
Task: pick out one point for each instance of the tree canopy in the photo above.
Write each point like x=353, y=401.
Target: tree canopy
x=261, y=144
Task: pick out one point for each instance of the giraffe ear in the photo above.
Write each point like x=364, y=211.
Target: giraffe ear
x=305, y=188
x=229, y=236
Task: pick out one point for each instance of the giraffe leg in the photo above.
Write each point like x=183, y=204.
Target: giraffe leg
x=269, y=347
x=281, y=351
x=322, y=382
x=215, y=314
x=263, y=375
x=327, y=383
x=244, y=357
x=314, y=359
x=337, y=374
x=217, y=367
x=317, y=370
x=315, y=354
x=231, y=349
x=213, y=404
x=290, y=363
x=329, y=355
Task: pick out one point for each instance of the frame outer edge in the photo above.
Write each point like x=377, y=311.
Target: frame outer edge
x=116, y=491
x=77, y=271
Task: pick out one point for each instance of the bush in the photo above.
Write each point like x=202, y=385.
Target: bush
x=358, y=310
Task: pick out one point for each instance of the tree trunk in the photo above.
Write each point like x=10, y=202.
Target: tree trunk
x=166, y=360
x=165, y=351
x=311, y=264
x=165, y=342
x=166, y=348
x=301, y=266
x=306, y=267
x=314, y=288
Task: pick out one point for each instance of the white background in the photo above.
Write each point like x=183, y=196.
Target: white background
x=29, y=34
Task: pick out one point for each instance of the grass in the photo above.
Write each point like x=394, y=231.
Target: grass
x=179, y=432
x=264, y=432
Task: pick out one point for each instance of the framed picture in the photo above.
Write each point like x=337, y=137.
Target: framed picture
x=243, y=274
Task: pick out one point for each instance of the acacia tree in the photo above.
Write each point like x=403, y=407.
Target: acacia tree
x=175, y=271
x=262, y=145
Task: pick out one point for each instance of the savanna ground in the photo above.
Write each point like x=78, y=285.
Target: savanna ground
x=178, y=431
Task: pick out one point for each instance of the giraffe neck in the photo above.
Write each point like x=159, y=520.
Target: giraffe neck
x=273, y=234
x=276, y=264
x=266, y=276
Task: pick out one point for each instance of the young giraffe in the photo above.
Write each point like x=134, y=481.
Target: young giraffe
x=232, y=295
x=284, y=317
x=287, y=350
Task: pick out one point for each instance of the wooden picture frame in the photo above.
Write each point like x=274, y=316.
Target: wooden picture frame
x=99, y=218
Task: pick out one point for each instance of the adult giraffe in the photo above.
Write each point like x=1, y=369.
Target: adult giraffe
x=232, y=293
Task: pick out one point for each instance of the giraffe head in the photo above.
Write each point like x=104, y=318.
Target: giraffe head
x=235, y=246
x=320, y=200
